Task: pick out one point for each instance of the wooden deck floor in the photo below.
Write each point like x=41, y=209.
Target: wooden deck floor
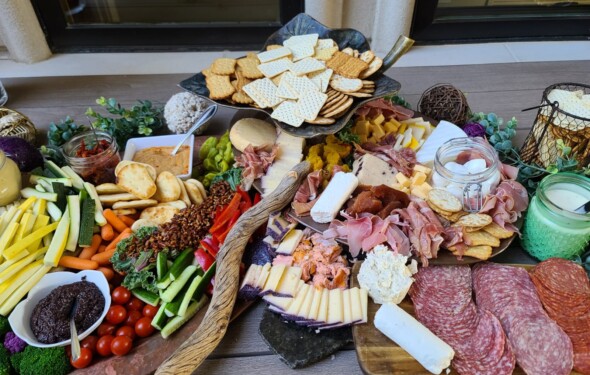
x=501, y=88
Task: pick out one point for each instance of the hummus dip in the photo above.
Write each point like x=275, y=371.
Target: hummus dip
x=160, y=158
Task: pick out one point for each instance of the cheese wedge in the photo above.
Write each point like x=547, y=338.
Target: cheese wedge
x=331, y=200
x=290, y=242
x=314, y=310
x=295, y=306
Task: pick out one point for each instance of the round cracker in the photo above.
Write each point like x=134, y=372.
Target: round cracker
x=159, y=214
x=136, y=179
x=322, y=121
x=194, y=193
x=141, y=203
x=199, y=185
x=183, y=193
x=474, y=220
x=444, y=200
x=337, y=112
x=168, y=189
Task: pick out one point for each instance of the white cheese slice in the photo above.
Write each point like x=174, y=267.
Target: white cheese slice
x=432, y=353
x=306, y=306
x=335, y=311
x=324, y=305
x=364, y=294
x=355, y=304
x=251, y=275
x=370, y=170
x=280, y=302
x=274, y=279
x=314, y=310
x=331, y=200
x=290, y=242
x=443, y=132
x=288, y=285
x=264, y=272
x=346, y=307
x=298, y=301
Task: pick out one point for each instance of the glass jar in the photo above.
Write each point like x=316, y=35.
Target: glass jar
x=468, y=168
x=551, y=228
x=97, y=169
x=10, y=180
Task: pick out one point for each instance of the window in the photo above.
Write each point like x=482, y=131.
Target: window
x=449, y=21
x=161, y=25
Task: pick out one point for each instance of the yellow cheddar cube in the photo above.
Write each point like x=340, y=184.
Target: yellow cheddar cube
x=421, y=190
x=418, y=178
x=378, y=120
x=402, y=129
x=413, y=143
x=378, y=132
x=390, y=127
x=363, y=138
x=423, y=169
x=362, y=127
x=403, y=180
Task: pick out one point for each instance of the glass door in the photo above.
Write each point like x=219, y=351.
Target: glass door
x=136, y=25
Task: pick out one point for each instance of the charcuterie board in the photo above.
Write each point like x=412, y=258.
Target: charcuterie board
x=377, y=354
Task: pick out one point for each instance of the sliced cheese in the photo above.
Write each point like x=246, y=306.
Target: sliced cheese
x=364, y=294
x=290, y=242
x=295, y=306
x=314, y=310
x=346, y=307
x=289, y=282
x=252, y=131
x=274, y=279
x=279, y=302
x=324, y=305
x=264, y=272
x=355, y=305
x=443, y=132
x=331, y=200
x=335, y=310
x=251, y=275
x=432, y=353
x=305, y=308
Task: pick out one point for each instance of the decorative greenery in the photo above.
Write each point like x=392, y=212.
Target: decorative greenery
x=346, y=135
x=54, y=154
x=399, y=100
x=63, y=131
x=140, y=120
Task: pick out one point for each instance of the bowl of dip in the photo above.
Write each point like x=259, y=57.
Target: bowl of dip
x=42, y=320
x=156, y=150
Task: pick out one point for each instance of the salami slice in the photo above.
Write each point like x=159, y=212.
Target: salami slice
x=504, y=366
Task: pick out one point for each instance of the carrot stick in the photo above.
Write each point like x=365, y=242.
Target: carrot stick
x=107, y=232
x=112, y=219
x=104, y=258
x=124, y=234
x=102, y=248
x=77, y=263
x=88, y=252
x=107, y=272
x=127, y=220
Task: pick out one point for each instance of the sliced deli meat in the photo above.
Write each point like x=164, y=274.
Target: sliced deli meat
x=539, y=344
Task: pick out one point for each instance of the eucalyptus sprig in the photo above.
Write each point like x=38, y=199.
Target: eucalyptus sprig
x=500, y=137
x=61, y=132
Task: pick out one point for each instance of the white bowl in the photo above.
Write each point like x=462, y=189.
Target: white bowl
x=20, y=318
x=136, y=144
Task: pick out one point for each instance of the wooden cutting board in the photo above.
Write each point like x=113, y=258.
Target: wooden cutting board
x=377, y=354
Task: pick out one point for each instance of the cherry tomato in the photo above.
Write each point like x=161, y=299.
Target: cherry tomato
x=126, y=331
x=135, y=304
x=150, y=311
x=89, y=343
x=132, y=317
x=117, y=314
x=106, y=329
x=84, y=360
x=144, y=327
x=121, y=345
x=121, y=295
x=103, y=345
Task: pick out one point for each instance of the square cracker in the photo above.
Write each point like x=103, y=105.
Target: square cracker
x=306, y=66
x=325, y=54
x=275, y=67
x=300, y=84
x=480, y=237
x=497, y=231
x=309, y=39
x=301, y=51
x=223, y=66
x=310, y=104
x=250, y=68
x=326, y=43
x=273, y=54
x=264, y=92
x=286, y=91
x=321, y=79
x=219, y=87
x=337, y=60
x=285, y=112
x=352, y=68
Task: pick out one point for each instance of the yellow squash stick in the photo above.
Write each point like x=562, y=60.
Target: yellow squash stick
x=42, y=220
x=7, y=236
x=28, y=203
x=16, y=267
x=20, y=278
x=58, y=243
x=26, y=226
x=22, y=245
x=15, y=297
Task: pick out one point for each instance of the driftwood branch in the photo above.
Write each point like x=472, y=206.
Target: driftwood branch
x=205, y=339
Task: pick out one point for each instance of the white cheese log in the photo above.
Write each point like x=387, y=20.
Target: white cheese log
x=334, y=196
x=432, y=353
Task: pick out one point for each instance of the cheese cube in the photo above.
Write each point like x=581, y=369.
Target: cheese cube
x=403, y=180
x=418, y=178
x=362, y=127
x=421, y=191
x=390, y=126
x=379, y=119
x=378, y=132
x=418, y=131
x=423, y=169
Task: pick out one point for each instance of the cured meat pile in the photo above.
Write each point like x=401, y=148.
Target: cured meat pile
x=255, y=161
x=506, y=205
x=564, y=290
x=443, y=303
x=540, y=346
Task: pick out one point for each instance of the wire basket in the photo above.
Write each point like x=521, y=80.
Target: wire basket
x=553, y=123
x=15, y=124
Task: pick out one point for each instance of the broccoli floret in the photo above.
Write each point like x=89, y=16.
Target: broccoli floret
x=5, y=368
x=34, y=361
x=4, y=326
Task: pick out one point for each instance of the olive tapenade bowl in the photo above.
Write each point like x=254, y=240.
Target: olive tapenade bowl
x=20, y=318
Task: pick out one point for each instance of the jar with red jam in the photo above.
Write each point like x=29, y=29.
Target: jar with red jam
x=93, y=155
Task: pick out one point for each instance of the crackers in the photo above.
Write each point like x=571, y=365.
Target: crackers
x=444, y=200
x=223, y=66
x=219, y=87
x=135, y=179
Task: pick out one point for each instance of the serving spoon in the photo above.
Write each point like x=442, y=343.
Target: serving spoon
x=583, y=209
x=206, y=116
x=74, y=332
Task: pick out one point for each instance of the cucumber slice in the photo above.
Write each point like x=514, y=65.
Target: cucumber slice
x=165, y=282
x=173, y=307
x=161, y=265
x=146, y=296
x=181, y=262
x=160, y=319
x=205, y=281
x=77, y=181
x=177, y=322
x=30, y=192
x=54, y=211
x=53, y=168
x=74, y=211
x=86, y=221
x=177, y=285
x=60, y=190
x=98, y=216
x=62, y=180
x=188, y=296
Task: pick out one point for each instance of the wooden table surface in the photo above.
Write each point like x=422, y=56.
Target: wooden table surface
x=501, y=88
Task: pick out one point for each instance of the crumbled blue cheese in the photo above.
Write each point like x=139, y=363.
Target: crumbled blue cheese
x=385, y=276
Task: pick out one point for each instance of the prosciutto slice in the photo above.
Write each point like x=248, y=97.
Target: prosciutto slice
x=255, y=161
x=506, y=204
x=389, y=110
x=403, y=160
x=308, y=193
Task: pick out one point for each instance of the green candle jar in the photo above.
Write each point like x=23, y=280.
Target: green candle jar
x=551, y=228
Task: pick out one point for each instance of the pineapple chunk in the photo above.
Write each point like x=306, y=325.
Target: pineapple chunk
x=379, y=119
x=403, y=180
x=402, y=128
x=418, y=178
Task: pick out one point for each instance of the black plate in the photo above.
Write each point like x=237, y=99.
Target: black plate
x=300, y=25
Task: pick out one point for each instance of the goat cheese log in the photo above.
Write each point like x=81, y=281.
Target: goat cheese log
x=336, y=193
x=432, y=353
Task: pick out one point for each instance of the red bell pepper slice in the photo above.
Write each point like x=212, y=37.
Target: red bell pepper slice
x=211, y=245
x=221, y=236
x=205, y=260
x=226, y=214
x=245, y=196
x=257, y=198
